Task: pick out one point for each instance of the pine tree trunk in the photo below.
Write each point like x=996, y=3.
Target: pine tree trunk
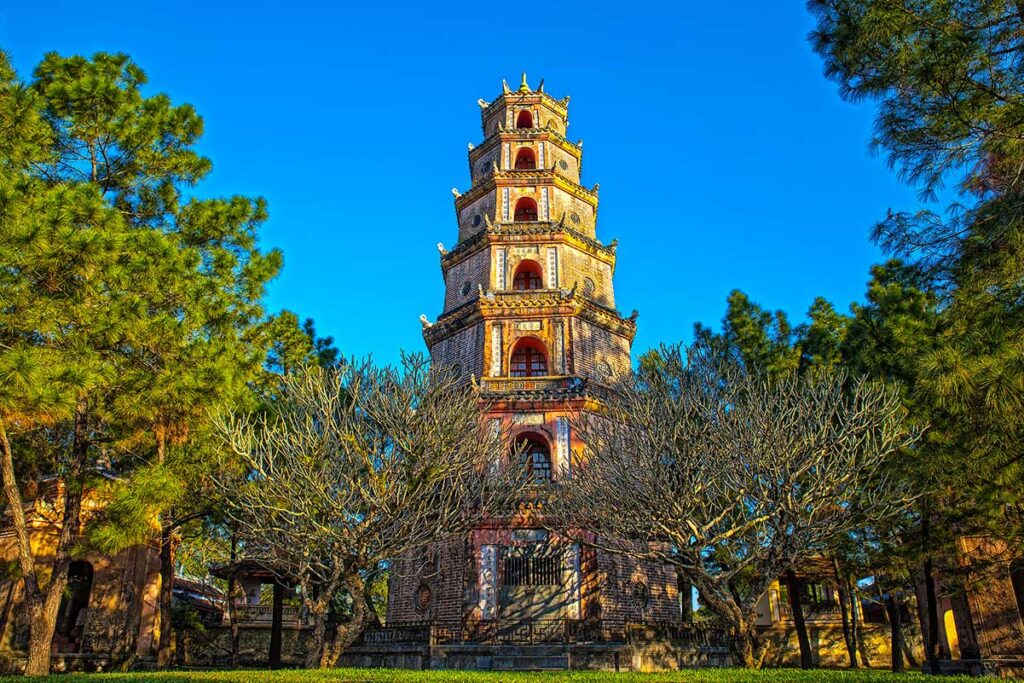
x=43, y=606
x=33, y=598
x=892, y=608
x=931, y=603
x=793, y=588
x=844, y=611
x=164, y=650
x=43, y=625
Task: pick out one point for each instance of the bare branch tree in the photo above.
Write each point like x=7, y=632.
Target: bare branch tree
x=731, y=477
x=353, y=467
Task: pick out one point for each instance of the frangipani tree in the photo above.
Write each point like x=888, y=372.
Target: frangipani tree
x=355, y=466
x=732, y=477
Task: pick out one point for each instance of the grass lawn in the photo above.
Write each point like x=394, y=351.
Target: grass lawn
x=386, y=675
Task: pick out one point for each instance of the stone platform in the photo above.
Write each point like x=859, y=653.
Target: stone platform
x=641, y=648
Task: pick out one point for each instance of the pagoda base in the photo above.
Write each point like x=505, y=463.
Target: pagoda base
x=642, y=654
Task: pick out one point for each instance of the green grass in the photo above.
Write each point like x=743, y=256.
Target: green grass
x=388, y=675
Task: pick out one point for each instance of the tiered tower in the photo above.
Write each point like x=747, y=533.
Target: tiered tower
x=529, y=312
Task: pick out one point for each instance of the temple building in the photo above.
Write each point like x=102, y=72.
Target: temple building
x=529, y=312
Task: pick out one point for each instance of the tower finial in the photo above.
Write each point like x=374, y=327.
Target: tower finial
x=504, y=86
x=524, y=87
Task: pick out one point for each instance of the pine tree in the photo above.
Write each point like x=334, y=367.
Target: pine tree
x=947, y=77
x=132, y=306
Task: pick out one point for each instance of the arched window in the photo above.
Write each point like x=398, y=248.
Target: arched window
x=528, y=276
x=76, y=597
x=535, y=458
x=525, y=159
x=528, y=359
x=526, y=210
x=525, y=119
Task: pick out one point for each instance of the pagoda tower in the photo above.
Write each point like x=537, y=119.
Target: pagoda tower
x=529, y=313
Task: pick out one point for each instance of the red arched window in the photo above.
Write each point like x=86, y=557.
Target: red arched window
x=525, y=119
x=535, y=458
x=528, y=276
x=528, y=359
x=525, y=159
x=526, y=210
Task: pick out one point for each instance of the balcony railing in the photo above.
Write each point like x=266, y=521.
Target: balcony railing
x=548, y=384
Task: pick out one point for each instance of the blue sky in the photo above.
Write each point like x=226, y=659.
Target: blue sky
x=725, y=159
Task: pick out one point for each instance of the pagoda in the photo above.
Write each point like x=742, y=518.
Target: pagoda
x=529, y=313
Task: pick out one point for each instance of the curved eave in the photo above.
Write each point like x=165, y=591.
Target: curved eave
x=521, y=135
x=518, y=305
x=545, y=231
x=524, y=179
x=520, y=98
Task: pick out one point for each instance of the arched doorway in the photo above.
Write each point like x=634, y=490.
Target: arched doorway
x=952, y=640
x=528, y=276
x=524, y=119
x=529, y=359
x=75, y=599
x=525, y=159
x=526, y=210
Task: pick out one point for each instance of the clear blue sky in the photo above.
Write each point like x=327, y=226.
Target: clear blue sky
x=725, y=159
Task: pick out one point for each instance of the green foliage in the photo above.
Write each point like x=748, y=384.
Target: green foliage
x=294, y=345
x=760, y=339
x=947, y=78
x=822, y=337
x=766, y=342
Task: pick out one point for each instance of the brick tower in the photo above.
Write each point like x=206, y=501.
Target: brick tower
x=529, y=311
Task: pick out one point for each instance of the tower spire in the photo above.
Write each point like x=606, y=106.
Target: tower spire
x=524, y=87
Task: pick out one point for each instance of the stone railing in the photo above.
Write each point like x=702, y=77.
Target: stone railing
x=415, y=632
x=677, y=633
x=264, y=615
x=542, y=631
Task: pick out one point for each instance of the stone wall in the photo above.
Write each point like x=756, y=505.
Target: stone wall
x=995, y=611
x=597, y=352
x=464, y=279
x=463, y=349
x=828, y=648
x=427, y=585
x=211, y=646
x=633, y=590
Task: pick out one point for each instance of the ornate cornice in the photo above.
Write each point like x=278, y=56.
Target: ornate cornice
x=520, y=98
x=526, y=304
x=542, y=231
x=513, y=178
x=523, y=135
